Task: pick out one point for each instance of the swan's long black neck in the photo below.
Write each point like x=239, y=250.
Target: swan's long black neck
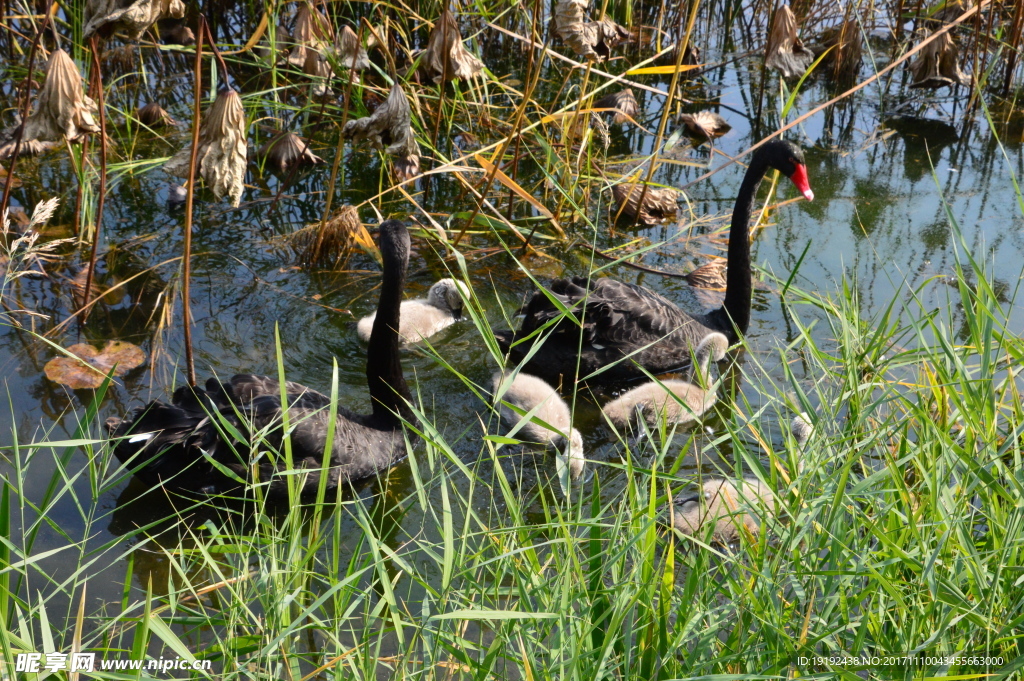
x=738, y=283
x=388, y=390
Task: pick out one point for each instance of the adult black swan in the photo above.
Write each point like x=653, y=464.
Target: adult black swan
x=166, y=442
x=624, y=325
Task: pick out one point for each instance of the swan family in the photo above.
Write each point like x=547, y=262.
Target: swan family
x=199, y=443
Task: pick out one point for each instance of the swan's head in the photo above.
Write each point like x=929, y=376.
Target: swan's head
x=788, y=159
x=713, y=346
x=445, y=295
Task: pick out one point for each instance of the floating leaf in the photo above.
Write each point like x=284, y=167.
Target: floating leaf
x=446, y=58
x=89, y=367
x=390, y=128
x=784, y=52
x=222, y=144
x=287, y=149
x=590, y=39
x=623, y=102
x=937, y=65
x=62, y=110
x=704, y=125
x=153, y=115
x=659, y=203
x=107, y=16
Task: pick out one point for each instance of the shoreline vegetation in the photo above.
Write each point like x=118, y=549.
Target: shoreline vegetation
x=188, y=186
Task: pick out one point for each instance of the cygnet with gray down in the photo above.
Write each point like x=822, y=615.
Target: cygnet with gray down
x=423, y=317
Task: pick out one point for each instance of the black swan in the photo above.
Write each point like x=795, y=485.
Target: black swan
x=723, y=506
x=624, y=320
x=680, y=402
x=423, y=317
x=529, y=393
x=166, y=442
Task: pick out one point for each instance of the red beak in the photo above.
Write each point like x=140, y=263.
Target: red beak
x=799, y=178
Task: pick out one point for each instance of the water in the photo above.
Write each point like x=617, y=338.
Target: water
x=878, y=220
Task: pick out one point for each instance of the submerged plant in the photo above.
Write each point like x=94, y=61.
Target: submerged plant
x=134, y=18
x=62, y=110
x=222, y=146
x=390, y=128
x=785, y=52
x=446, y=58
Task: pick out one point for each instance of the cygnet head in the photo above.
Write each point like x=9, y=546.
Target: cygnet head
x=713, y=346
x=444, y=295
x=801, y=428
x=577, y=461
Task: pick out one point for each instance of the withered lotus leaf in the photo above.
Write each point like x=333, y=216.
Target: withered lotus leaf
x=390, y=128
x=286, y=150
x=704, y=125
x=153, y=116
x=590, y=39
x=222, y=145
x=784, y=52
x=446, y=58
x=623, y=102
x=89, y=367
x=28, y=148
x=62, y=110
x=845, y=50
x=134, y=18
x=312, y=32
x=659, y=202
x=937, y=65
x=342, y=233
x=351, y=54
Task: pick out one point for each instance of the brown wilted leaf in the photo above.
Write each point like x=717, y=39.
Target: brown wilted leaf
x=62, y=110
x=784, y=52
x=313, y=31
x=704, y=125
x=351, y=54
x=845, y=50
x=286, y=149
x=91, y=367
x=153, y=116
x=28, y=148
x=331, y=246
x=134, y=18
x=590, y=39
x=222, y=143
x=446, y=58
x=390, y=128
x=937, y=65
x=659, y=203
x=623, y=102
x=179, y=34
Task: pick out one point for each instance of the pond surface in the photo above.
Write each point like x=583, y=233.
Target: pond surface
x=884, y=172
